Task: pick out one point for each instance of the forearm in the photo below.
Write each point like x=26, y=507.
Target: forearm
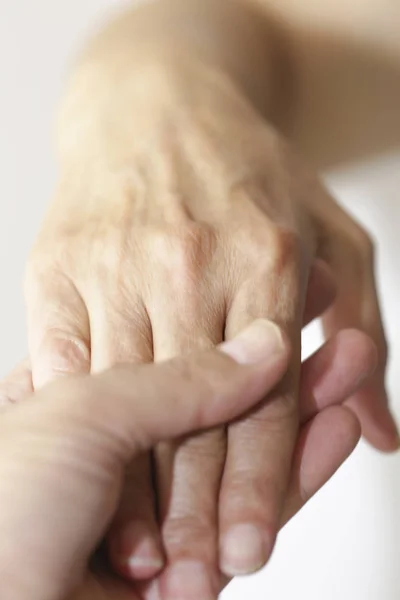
x=345, y=55
x=154, y=46
x=316, y=75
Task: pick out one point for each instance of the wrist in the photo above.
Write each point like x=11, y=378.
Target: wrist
x=108, y=111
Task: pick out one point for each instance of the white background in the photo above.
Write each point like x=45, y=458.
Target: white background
x=346, y=544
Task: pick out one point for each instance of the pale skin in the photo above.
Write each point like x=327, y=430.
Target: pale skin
x=182, y=215
x=73, y=444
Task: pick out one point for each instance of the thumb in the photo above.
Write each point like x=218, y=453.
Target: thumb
x=200, y=390
x=137, y=407
x=69, y=447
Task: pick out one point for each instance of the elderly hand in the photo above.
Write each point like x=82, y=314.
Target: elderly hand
x=180, y=217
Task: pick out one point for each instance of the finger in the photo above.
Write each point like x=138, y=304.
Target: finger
x=336, y=371
x=77, y=420
x=17, y=385
x=329, y=433
x=58, y=328
x=134, y=540
x=123, y=335
x=324, y=444
x=357, y=306
x=321, y=291
x=189, y=471
x=198, y=391
x=260, y=446
x=326, y=383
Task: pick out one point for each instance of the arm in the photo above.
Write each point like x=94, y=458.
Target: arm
x=181, y=216
x=142, y=51
x=65, y=525
x=327, y=76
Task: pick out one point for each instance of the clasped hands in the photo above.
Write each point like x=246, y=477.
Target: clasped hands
x=164, y=241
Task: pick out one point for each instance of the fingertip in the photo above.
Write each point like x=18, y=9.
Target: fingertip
x=347, y=424
x=261, y=341
x=384, y=437
x=135, y=551
x=378, y=425
x=244, y=549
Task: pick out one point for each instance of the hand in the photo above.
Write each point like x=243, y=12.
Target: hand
x=70, y=446
x=328, y=435
x=173, y=232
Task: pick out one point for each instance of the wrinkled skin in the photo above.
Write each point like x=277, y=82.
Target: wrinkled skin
x=170, y=235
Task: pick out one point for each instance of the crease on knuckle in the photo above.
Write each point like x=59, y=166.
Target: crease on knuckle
x=206, y=448
x=188, y=523
x=241, y=480
x=285, y=249
x=252, y=494
x=277, y=413
x=66, y=351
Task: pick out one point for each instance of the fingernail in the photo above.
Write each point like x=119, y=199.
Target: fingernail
x=261, y=340
x=136, y=553
x=188, y=580
x=244, y=550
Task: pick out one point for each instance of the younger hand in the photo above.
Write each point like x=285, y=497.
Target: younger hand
x=328, y=435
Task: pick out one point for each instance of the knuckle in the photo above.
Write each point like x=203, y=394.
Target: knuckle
x=275, y=250
x=108, y=253
x=198, y=525
x=278, y=413
x=67, y=353
x=239, y=505
x=206, y=449
x=184, y=252
x=285, y=247
x=240, y=481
